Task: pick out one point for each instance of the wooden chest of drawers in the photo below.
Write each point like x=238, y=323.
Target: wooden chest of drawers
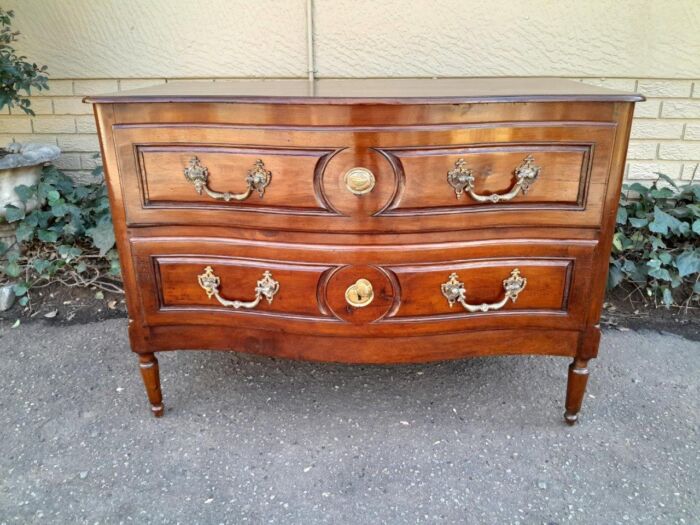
x=366, y=221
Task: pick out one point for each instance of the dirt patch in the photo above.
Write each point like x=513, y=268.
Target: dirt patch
x=627, y=309
x=58, y=304
x=623, y=310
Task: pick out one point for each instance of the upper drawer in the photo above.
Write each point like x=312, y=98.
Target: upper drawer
x=329, y=179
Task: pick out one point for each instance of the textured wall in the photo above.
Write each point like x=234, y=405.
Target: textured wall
x=620, y=38
x=652, y=47
x=164, y=38
x=239, y=38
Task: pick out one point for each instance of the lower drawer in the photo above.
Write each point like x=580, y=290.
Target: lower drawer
x=364, y=291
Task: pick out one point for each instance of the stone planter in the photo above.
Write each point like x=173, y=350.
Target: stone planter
x=21, y=164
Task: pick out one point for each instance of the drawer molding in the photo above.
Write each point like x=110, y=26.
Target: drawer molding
x=267, y=287
x=564, y=266
x=486, y=203
x=259, y=178
x=410, y=193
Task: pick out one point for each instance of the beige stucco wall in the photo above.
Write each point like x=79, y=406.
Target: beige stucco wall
x=104, y=45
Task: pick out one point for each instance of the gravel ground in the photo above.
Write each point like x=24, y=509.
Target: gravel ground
x=248, y=439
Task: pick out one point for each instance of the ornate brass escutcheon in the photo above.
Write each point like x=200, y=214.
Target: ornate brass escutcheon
x=257, y=179
x=266, y=287
x=359, y=294
x=462, y=179
x=455, y=292
x=359, y=181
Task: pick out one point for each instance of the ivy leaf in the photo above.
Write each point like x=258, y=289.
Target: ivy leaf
x=663, y=193
x=676, y=280
x=20, y=289
x=663, y=222
x=663, y=176
x=617, y=241
x=656, y=243
x=688, y=263
x=621, y=215
x=665, y=257
x=615, y=277
x=47, y=236
x=696, y=226
x=660, y=273
x=53, y=196
x=24, y=232
x=41, y=265
x=69, y=252
x=638, y=223
x=13, y=269
x=695, y=189
x=25, y=192
x=103, y=236
x=60, y=209
x=115, y=267
x=13, y=213
x=638, y=188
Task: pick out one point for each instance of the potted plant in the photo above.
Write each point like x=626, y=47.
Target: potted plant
x=20, y=164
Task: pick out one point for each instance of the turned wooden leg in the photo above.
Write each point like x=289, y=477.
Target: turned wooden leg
x=151, y=379
x=575, y=388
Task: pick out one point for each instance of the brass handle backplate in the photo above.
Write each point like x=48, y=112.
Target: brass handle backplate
x=462, y=179
x=359, y=294
x=257, y=179
x=455, y=292
x=359, y=180
x=266, y=287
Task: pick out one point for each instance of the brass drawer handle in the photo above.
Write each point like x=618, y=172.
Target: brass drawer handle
x=257, y=180
x=266, y=287
x=462, y=179
x=359, y=294
x=455, y=292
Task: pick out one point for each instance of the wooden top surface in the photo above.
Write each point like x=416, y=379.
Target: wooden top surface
x=372, y=91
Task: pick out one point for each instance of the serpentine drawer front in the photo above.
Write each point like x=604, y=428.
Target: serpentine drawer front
x=367, y=181
x=430, y=290
x=366, y=221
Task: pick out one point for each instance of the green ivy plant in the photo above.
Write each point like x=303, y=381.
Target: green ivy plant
x=68, y=239
x=17, y=76
x=656, y=246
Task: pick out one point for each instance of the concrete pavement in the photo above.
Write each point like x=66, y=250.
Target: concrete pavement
x=248, y=439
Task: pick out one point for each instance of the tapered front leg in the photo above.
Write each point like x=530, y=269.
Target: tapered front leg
x=575, y=389
x=151, y=379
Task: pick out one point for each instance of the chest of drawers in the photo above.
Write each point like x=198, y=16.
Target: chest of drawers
x=366, y=221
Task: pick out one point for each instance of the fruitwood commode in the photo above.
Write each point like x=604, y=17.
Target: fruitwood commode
x=366, y=221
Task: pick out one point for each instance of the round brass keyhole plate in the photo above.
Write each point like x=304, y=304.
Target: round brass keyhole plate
x=359, y=294
x=359, y=180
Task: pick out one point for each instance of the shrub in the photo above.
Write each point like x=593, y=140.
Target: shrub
x=657, y=243
x=16, y=75
x=68, y=239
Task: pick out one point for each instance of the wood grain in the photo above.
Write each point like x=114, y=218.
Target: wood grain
x=405, y=237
